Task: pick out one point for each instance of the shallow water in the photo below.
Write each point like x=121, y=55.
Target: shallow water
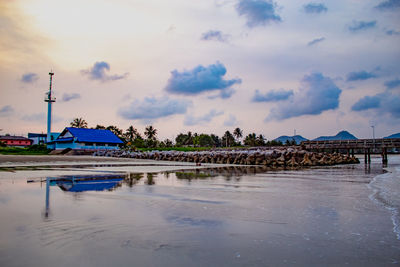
x=216, y=217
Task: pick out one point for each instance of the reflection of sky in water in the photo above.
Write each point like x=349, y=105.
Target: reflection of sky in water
x=230, y=217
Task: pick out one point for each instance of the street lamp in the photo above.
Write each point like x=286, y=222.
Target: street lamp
x=373, y=132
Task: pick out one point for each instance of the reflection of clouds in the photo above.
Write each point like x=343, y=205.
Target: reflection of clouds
x=4, y=199
x=324, y=212
x=193, y=221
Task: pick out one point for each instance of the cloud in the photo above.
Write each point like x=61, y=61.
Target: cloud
x=6, y=111
x=315, y=8
x=68, y=97
x=317, y=94
x=384, y=103
x=215, y=36
x=392, y=84
x=315, y=41
x=360, y=76
x=40, y=117
x=367, y=102
x=361, y=25
x=191, y=120
x=392, y=32
x=98, y=72
x=230, y=121
x=153, y=108
x=258, y=12
x=272, y=96
x=224, y=94
x=388, y=5
x=200, y=79
x=29, y=77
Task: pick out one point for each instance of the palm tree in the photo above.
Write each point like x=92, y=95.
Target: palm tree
x=79, y=123
x=117, y=131
x=131, y=133
x=228, y=139
x=238, y=133
x=250, y=139
x=150, y=132
x=189, y=138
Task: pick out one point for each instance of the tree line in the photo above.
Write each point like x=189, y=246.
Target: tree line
x=133, y=139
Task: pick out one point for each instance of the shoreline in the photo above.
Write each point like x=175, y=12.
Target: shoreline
x=383, y=194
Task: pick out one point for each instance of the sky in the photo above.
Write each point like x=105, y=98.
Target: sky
x=269, y=67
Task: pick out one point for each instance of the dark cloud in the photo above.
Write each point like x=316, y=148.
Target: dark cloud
x=388, y=5
x=315, y=8
x=200, y=79
x=360, y=76
x=258, y=12
x=362, y=25
x=392, y=84
x=215, y=36
x=29, y=77
x=191, y=120
x=98, y=72
x=6, y=111
x=384, y=103
x=367, y=102
x=68, y=97
x=317, y=94
x=315, y=41
x=392, y=32
x=272, y=96
x=153, y=108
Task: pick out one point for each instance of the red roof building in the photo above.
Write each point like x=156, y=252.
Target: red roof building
x=15, y=140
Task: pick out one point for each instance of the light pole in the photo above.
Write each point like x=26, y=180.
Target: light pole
x=373, y=132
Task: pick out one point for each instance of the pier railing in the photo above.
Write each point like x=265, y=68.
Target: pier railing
x=359, y=143
x=366, y=145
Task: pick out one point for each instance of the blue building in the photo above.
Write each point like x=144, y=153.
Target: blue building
x=82, y=138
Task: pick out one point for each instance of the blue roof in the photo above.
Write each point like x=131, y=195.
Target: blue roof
x=95, y=185
x=94, y=135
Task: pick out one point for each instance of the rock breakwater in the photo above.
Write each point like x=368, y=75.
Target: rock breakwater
x=274, y=158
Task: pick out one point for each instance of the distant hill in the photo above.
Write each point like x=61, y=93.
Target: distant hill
x=397, y=135
x=297, y=138
x=343, y=135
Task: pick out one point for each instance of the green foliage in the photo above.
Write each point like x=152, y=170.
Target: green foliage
x=79, y=123
x=228, y=139
x=100, y=127
x=203, y=140
x=31, y=150
x=183, y=149
x=274, y=143
x=150, y=132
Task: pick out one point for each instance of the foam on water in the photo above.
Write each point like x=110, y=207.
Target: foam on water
x=386, y=193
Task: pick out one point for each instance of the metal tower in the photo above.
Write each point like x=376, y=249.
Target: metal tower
x=49, y=99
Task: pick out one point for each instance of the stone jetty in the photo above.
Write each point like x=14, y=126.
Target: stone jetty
x=274, y=158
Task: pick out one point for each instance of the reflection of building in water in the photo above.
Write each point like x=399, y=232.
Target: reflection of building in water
x=80, y=184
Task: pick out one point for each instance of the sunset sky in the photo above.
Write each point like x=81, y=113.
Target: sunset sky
x=203, y=66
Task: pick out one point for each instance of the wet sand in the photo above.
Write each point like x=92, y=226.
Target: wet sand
x=197, y=217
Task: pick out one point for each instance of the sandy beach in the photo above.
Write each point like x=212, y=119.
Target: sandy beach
x=178, y=214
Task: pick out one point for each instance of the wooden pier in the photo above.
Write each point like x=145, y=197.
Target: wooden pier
x=368, y=146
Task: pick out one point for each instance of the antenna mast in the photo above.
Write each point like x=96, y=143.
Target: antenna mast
x=49, y=99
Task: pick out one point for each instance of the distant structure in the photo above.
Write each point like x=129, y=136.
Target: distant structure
x=49, y=99
x=16, y=141
x=38, y=138
x=88, y=139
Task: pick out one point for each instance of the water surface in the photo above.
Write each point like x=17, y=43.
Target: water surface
x=217, y=217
